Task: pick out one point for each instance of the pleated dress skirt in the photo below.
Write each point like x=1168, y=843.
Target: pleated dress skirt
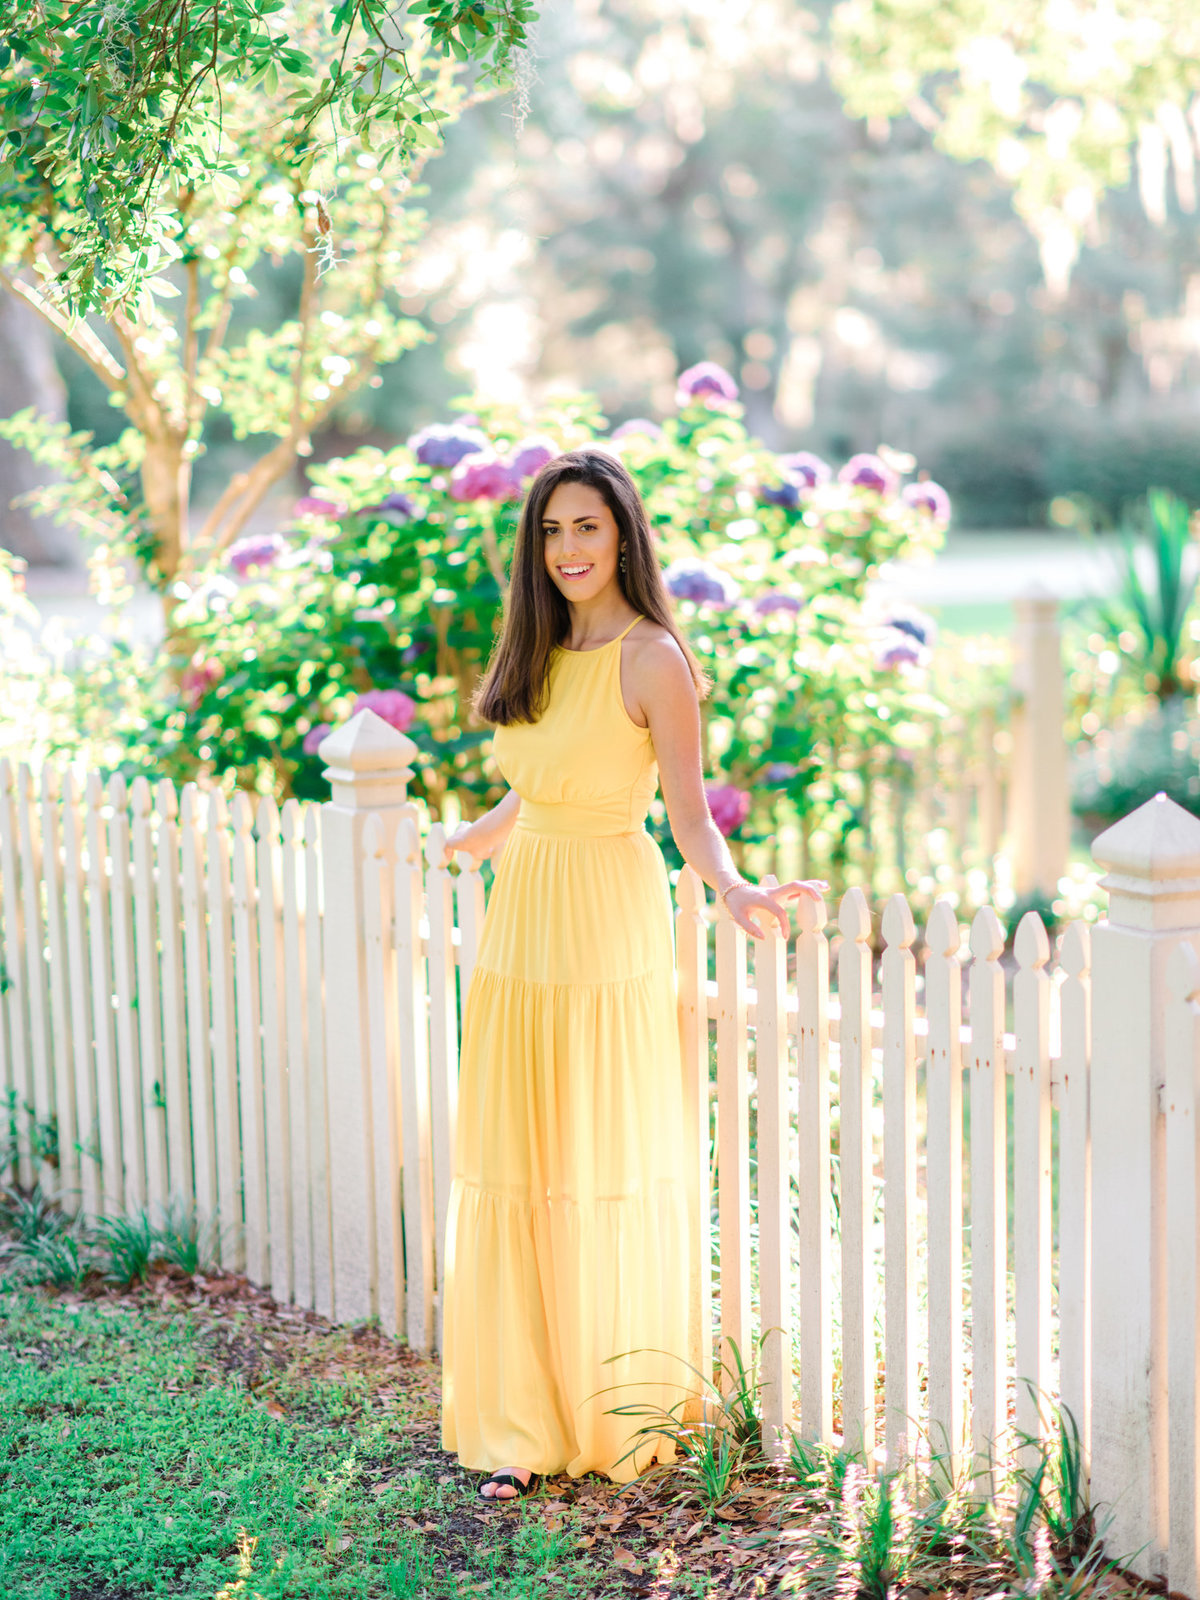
x=567, y=1251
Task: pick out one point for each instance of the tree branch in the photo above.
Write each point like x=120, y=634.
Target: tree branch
x=78, y=335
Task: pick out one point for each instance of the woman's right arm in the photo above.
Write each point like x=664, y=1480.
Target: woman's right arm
x=487, y=834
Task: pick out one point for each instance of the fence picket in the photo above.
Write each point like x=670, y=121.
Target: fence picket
x=1031, y=1175
x=814, y=1172
x=149, y=996
x=193, y=829
x=415, y=1119
x=79, y=988
x=320, y=1210
x=15, y=991
x=733, y=1145
x=469, y=900
x=898, y=980
x=1075, y=1183
x=989, y=1191
x=1183, y=1276
x=382, y=1045
x=124, y=968
x=41, y=1067
x=295, y=1032
x=108, y=1101
x=691, y=946
x=249, y=1070
x=66, y=1182
x=774, y=1189
x=856, y=1166
x=443, y=1038
x=276, y=1108
x=943, y=1185
x=169, y=910
x=226, y=1121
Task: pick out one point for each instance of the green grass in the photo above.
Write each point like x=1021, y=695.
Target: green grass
x=146, y=1451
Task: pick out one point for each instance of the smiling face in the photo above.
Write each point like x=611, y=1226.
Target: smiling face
x=581, y=541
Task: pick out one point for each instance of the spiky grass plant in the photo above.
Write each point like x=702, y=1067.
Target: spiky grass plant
x=130, y=1246
x=715, y=1447
x=186, y=1239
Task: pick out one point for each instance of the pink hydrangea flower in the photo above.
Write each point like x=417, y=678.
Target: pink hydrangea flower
x=199, y=676
x=636, y=425
x=929, y=497
x=729, y=805
x=703, y=380
x=314, y=736
x=867, y=471
x=483, y=476
x=393, y=705
x=256, y=550
x=313, y=506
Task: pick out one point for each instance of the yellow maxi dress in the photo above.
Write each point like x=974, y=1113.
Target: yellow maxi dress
x=567, y=1240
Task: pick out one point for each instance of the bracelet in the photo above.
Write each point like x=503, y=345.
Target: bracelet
x=741, y=883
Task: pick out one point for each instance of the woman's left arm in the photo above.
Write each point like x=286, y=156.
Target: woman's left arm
x=663, y=684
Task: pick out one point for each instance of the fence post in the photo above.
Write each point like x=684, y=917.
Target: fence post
x=1152, y=859
x=1040, y=806
x=367, y=766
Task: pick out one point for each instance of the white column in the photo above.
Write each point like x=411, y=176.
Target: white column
x=1040, y=806
x=367, y=765
x=1152, y=859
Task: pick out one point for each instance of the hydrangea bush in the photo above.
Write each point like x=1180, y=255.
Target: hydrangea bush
x=385, y=589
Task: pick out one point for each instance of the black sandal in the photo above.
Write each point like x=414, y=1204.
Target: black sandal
x=509, y=1480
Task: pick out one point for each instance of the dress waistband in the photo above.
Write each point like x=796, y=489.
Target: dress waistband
x=565, y=817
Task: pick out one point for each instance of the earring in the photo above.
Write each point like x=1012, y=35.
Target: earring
x=621, y=559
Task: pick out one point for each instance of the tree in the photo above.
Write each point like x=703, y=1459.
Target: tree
x=160, y=161
x=1061, y=99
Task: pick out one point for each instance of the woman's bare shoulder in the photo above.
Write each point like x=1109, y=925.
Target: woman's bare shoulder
x=653, y=639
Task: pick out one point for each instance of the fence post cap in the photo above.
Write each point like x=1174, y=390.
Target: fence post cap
x=1152, y=857
x=368, y=762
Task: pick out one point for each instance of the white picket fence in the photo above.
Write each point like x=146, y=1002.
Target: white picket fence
x=258, y=1013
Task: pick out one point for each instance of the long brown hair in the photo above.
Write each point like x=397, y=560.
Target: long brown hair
x=537, y=616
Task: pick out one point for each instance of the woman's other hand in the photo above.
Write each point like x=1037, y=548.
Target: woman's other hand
x=469, y=838
x=747, y=900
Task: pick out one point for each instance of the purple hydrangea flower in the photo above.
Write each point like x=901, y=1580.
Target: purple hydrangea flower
x=805, y=468
x=897, y=649
x=393, y=705
x=396, y=508
x=310, y=505
x=775, y=600
x=929, y=497
x=314, y=736
x=444, y=444
x=867, y=471
x=256, y=550
x=704, y=379
x=693, y=579
x=483, y=476
x=915, y=623
x=637, y=425
x=531, y=455
x=781, y=771
x=729, y=806
x=785, y=494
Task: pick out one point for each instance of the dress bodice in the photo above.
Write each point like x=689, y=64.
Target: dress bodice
x=584, y=767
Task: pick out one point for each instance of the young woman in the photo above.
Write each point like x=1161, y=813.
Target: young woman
x=567, y=1254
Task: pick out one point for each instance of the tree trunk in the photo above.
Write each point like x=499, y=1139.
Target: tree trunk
x=30, y=378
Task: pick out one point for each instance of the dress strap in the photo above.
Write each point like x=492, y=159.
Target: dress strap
x=624, y=631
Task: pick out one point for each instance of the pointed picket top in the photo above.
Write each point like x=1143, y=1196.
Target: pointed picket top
x=943, y=936
x=117, y=792
x=50, y=784
x=6, y=774
x=689, y=891
x=69, y=793
x=266, y=818
x=373, y=837
x=368, y=763
x=899, y=930
x=811, y=913
x=1152, y=858
x=1183, y=972
x=987, y=935
x=1075, y=951
x=243, y=817
x=94, y=790
x=218, y=808
x=25, y=781
x=408, y=841
x=1031, y=945
x=140, y=799
x=435, y=848
x=292, y=822
x=854, y=916
x=166, y=800
x=189, y=805
x=312, y=825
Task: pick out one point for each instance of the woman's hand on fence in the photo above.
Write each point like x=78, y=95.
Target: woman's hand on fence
x=465, y=837
x=746, y=900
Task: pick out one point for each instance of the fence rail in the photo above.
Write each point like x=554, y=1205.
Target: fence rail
x=939, y=1180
